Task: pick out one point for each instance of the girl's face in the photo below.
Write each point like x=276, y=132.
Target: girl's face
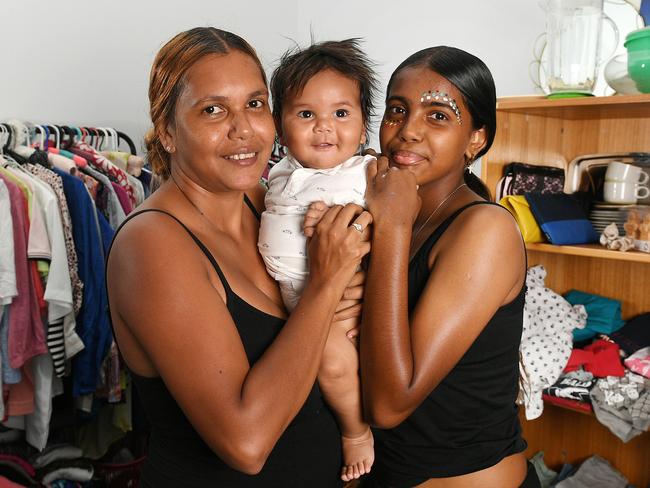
x=427, y=127
x=223, y=130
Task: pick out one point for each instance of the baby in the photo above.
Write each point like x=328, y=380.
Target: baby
x=322, y=102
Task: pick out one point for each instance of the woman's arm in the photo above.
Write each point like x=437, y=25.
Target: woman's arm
x=169, y=302
x=476, y=266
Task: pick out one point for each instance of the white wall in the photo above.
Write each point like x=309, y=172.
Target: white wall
x=87, y=62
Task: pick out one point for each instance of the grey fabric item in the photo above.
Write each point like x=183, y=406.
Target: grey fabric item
x=626, y=416
x=56, y=452
x=544, y=473
x=116, y=213
x=595, y=472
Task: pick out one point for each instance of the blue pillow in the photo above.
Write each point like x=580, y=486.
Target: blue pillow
x=561, y=218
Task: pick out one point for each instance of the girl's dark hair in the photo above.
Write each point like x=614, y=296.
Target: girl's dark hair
x=473, y=79
x=167, y=80
x=297, y=66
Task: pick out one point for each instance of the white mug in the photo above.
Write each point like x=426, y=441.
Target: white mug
x=623, y=172
x=623, y=192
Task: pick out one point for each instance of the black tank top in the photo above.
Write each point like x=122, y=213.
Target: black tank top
x=307, y=454
x=469, y=421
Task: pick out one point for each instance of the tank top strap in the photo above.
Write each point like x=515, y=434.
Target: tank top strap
x=198, y=242
x=437, y=233
x=252, y=207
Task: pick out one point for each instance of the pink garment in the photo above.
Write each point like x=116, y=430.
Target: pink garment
x=21, y=395
x=78, y=160
x=105, y=166
x=26, y=331
x=125, y=203
x=639, y=362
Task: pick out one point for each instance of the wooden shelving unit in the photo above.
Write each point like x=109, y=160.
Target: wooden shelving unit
x=535, y=130
x=591, y=251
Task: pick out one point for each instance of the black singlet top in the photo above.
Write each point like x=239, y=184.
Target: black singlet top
x=469, y=421
x=307, y=454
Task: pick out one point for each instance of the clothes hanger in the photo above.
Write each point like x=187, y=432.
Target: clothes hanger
x=41, y=143
x=102, y=137
x=127, y=139
x=57, y=135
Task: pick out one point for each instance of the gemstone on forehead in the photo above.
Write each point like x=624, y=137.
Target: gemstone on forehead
x=437, y=95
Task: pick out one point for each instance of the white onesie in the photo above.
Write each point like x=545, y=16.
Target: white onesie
x=292, y=188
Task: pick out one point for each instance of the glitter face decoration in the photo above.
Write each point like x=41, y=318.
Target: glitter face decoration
x=442, y=97
x=391, y=123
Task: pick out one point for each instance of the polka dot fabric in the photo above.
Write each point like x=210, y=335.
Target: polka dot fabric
x=546, y=340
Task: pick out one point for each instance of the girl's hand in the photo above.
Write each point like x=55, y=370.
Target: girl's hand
x=391, y=194
x=337, y=246
x=370, y=152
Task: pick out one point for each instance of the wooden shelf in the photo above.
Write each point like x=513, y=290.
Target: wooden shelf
x=591, y=251
x=627, y=106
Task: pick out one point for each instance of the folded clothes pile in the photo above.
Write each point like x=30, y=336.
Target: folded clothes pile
x=22, y=465
x=595, y=472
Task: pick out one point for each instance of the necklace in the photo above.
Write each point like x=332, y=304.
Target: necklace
x=435, y=210
x=194, y=205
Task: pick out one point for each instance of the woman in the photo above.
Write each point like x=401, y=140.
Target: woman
x=227, y=381
x=444, y=294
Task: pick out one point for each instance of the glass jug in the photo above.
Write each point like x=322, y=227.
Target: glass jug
x=573, y=31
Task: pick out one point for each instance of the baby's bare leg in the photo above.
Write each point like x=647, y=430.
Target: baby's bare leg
x=339, y=381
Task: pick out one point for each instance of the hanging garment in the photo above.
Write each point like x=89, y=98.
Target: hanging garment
x=90, y=232
x=26, y=334
x=7, y=260
x=104, y=165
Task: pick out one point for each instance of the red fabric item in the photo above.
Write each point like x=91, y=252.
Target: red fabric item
x=577, y=359
x=29, y=469
x=21, y=395
x=567, y=403
x=607, y=359
x=7, y=483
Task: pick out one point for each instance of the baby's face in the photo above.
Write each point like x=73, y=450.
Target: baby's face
x=323, y=126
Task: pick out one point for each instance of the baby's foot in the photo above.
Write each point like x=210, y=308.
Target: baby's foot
x=358, y=455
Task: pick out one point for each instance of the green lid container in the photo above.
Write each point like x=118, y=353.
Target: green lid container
x=637, y=44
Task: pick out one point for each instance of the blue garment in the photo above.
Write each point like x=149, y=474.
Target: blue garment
x=10, y=376
x=90, y=233
x=603, y=314
x=644, y=10
x=562, y=218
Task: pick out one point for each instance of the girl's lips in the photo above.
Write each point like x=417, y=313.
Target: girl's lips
x=406, y=158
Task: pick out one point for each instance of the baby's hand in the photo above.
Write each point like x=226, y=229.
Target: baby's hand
x=312, y=217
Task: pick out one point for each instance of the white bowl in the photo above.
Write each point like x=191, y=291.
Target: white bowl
x=617, y=77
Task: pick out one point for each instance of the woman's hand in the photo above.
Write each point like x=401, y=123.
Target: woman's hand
x=391, y=194
x=338, y=243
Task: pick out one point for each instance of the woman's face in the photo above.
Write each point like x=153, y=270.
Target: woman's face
x=223, y=130
x=427, y=127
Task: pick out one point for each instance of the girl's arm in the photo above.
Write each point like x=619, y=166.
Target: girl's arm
x=476, y=267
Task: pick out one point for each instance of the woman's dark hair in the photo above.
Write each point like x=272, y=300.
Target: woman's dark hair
x=297, y=66
x=167, y=80
x=473, y=79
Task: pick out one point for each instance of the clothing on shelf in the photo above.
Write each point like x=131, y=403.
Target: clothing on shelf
x=546, y=341
x=623, y=404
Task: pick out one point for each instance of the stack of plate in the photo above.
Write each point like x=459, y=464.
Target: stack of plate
x=602, y=214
